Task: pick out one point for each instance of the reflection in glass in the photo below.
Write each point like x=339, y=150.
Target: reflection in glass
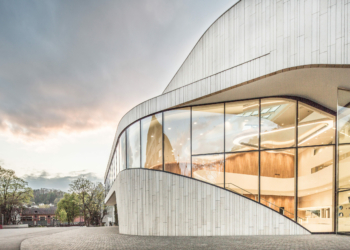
x=133, y=144
x=343, y=211
x=343, y=116
x=117, y=157
x=209, y=168
x=208, y=129
x=242, y=126
x=277, y=180
x=122, y=152
x=277, y=123
x=344, y=166
x=315, y=189
x=177, y=141
x=315, y=127
x=152, y=142
x=241, y=174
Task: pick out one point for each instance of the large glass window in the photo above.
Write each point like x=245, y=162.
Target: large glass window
x=344, y=167
x=209, y=168
x=315, y=188
x=343, y=116
x=277, y=170
x=241, y=173
x=117, y=157
x=222, y=143
x=315, y=127
x=177, y=141
x=344, y=211
x=278, y=123
x=122, y=152
x=152, y=156
x=133, y=144
x=208, y=129
x=242, y=126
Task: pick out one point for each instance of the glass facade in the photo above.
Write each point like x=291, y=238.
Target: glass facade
x=316, y=188
x=208, y=129
x=133, y=145
x=177, y=141
x=278, y=117
x=242, y=173
x=277, y=189
x=279, y=152
x=343, y=157
x=152, y=142
x=209, y=168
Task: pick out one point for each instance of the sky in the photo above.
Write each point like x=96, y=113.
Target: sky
x=69, y=70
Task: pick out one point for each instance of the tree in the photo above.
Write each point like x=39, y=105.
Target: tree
x=61, y=215
x=81, y=187
x=14, y=193
x=95, y=204
x=69, y=203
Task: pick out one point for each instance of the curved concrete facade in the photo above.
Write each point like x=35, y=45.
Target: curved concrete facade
x=252, y=40
x=256, y=49
x=163, y=204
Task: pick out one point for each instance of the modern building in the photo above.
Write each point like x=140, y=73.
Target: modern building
x=252, y=134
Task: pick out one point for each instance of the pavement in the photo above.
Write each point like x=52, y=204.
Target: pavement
x=11, y=239
x=109, y=238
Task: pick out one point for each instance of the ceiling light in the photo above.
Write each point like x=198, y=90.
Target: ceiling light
x=169, y=128
x=195, y=123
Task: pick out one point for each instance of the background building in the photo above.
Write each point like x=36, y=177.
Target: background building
x=252, y=134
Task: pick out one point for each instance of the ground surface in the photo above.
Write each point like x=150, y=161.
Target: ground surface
x=12, y=238
x=109, y=238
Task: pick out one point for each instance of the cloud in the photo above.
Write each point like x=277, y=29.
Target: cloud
x=80, y=65
x=45, y=180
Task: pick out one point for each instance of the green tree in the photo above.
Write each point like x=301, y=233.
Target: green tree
x=14, y=193
x=61, y=215
x=70, y=204
x=95, y=204
x=82, y=187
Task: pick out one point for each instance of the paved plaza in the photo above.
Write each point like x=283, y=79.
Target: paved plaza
x=109, y=238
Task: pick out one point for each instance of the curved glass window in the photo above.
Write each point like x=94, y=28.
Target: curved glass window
x=133, y=145
x=343, y=116
x=344, y=167
x=277, y=168
x=152, y=155
x=242, y=126
x=209, y=168
x=219, y=144
x=315, y=126
x=242, y=173
x=315, y=188
x=208, y=129
x=117, y=157
x=278, y=123
x=177, y=141
x=122, y=152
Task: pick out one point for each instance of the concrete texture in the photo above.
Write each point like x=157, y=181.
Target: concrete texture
x=162, y=204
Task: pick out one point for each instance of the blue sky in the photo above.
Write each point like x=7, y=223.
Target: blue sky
x=69, y=70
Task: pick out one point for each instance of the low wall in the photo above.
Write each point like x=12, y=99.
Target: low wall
x=158, y=203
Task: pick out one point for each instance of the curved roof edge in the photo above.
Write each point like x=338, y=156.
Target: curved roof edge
x=165, y=90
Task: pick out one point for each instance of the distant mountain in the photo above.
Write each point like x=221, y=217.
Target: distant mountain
x=47, y=196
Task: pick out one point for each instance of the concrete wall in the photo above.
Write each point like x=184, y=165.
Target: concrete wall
x=163, y=204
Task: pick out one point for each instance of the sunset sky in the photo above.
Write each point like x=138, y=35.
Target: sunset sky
x=69, y=70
